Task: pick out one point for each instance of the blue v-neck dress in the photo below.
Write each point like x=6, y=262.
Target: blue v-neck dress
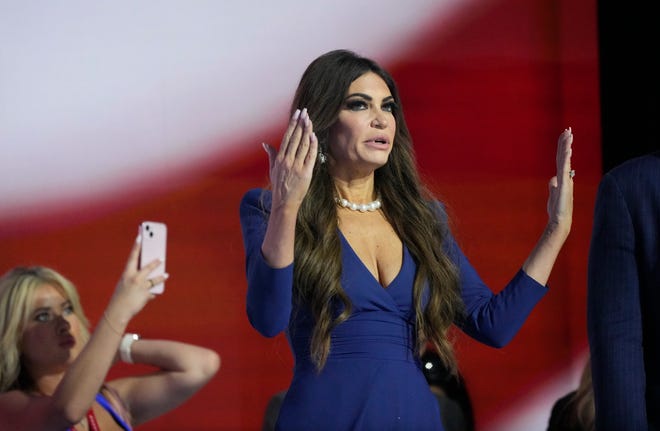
x=372, y=379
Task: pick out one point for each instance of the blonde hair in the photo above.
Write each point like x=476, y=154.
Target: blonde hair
x=17, y=288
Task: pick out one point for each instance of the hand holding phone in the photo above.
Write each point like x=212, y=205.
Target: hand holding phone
x=154, y=244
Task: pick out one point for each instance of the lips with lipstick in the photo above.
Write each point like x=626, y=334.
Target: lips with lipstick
x=67, y=341
x=381, y=141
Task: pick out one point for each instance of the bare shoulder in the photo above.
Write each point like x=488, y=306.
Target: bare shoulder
x=14, y=401
x=22, y=411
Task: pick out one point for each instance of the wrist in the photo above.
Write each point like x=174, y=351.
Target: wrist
x=125, y=347
x=118, y=313
x=557, y=229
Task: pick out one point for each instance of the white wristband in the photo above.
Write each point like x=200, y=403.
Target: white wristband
x=125, y=347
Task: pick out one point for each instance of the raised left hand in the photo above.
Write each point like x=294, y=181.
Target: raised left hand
x=560, y=201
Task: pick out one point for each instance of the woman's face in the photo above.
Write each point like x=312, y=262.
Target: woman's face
x=52, y=337
x=361, y=139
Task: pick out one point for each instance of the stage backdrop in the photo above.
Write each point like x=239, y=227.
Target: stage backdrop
x=114, y=113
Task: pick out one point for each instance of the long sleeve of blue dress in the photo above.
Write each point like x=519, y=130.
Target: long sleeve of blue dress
x=270, y=290
x=493, y=319
x=489, y=318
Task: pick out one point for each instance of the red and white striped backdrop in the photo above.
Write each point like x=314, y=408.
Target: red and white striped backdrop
x=111, y=113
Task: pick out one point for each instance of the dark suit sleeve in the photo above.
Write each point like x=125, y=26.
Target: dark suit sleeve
x=614, y=315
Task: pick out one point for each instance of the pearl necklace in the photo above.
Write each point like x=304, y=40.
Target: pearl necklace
x=371, y=206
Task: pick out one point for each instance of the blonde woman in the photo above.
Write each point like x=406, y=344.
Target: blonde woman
x=53, y=371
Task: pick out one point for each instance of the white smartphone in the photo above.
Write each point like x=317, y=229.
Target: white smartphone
x=154, y=245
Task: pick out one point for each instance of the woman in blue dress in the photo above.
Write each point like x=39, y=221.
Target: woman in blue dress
x=349, y=253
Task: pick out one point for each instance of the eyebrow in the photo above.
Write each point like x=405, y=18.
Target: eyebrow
x=367, y=97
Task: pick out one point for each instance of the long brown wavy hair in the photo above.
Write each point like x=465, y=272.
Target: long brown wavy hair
x=407, y=205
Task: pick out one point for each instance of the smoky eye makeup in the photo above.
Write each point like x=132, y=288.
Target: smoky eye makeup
x=356, y=104
x=390, y=106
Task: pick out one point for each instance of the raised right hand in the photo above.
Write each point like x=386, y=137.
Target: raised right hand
x=133, y=289
x=291, y=167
